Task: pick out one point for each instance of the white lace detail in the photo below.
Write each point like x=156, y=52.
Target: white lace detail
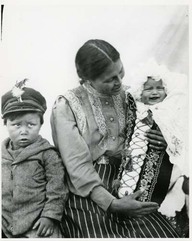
x=97, y=112
x=76, y=106
x=96, y=105
x=176, y=146
x=174, y=138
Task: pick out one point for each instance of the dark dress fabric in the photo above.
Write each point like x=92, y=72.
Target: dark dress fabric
x=84, y=219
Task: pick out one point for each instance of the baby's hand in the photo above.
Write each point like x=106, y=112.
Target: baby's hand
x=45, y=227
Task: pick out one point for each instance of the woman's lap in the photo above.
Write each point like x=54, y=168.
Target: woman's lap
x=84, y=219
x=80, y=222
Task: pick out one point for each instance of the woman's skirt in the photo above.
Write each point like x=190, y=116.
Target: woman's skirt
x=84, y=219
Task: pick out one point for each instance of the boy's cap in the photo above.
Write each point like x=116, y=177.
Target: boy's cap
x=22, y=99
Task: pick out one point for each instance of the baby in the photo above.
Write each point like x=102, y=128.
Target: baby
x=153, y=92
x=161, y=103
x=33, y=188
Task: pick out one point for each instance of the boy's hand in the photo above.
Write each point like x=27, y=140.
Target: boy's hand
x=45, y=227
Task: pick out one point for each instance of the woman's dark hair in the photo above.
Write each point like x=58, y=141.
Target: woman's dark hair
x=93, y=58
x=14, y=115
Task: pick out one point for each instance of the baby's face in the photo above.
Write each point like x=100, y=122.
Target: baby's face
x=24, y=130
x=153, y=92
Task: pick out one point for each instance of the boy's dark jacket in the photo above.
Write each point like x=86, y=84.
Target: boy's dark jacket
x=32, y=186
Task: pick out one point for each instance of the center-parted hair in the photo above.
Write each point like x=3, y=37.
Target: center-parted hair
x=93, y=58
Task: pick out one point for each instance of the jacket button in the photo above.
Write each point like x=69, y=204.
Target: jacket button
x=106, y=102
x=114, y=138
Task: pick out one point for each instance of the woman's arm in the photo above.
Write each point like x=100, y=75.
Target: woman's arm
x=76, y=155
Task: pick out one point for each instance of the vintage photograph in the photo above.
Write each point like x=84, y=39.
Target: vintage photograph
x=95, y=100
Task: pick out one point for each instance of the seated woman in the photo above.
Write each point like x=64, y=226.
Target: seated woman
x=89, y=129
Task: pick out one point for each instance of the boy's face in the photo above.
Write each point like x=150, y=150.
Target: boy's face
x=153, y=92
x=24, y=130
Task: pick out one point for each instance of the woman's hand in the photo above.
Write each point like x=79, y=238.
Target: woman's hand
x=156, y=139
x=128, y=205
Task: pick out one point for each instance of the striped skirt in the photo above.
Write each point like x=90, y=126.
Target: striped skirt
x=84, y=219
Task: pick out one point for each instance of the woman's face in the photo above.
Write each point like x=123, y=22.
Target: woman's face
x=110, y=81
x=153, y=92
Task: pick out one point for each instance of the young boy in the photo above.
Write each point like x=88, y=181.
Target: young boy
x=33, y=187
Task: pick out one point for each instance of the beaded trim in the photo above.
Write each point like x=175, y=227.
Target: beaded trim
x=130, y=123
x=150, y=174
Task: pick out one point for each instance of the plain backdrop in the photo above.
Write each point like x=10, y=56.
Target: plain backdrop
x=39, y=42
